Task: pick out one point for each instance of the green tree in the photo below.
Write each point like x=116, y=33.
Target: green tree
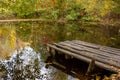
x=23, y=8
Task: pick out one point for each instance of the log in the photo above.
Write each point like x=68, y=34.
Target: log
x=25, y=20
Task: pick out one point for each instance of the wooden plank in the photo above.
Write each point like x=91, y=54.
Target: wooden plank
x=80, y=50
x=83, y=53
x=87, y=52
x=102, y=48
x=87, y=44
x=110, y=58
x=91, y=50
x=110, y=50
x=99, y=64
x=106, y=54
x=96, y=51
x=93, y=45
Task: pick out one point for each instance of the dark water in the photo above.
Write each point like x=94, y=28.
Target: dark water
x=27, y=61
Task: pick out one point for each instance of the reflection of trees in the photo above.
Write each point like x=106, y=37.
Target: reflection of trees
x=112, y=35
x=94, y=33
x=30, y=32
x=7, y=41
x=59, y=75
x=40, y=34
x=60, y=32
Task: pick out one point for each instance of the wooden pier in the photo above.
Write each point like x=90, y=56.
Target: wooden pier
x=102, y=56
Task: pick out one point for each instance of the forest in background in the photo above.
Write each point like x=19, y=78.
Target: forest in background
x=61, y=10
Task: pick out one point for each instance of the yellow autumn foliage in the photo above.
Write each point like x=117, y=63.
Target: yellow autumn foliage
x=97, y=7
x=107, y=6
x=12, y=39
x=7, y=41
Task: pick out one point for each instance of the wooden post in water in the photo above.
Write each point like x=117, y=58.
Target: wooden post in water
x=52, y=52
x=49, y=59
x=91, y=67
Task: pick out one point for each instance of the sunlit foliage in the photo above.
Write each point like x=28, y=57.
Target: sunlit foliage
x=60, y=9
x=19, y=8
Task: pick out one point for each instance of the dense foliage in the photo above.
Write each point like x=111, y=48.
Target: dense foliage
x=61, y=9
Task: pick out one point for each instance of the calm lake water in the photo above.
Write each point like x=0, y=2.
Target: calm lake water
x=33, y=36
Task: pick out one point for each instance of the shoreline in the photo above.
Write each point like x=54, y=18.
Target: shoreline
x=105, y=23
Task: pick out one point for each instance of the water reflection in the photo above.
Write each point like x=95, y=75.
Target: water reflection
x=7, y=41
x=38, y=34
x=53, y=32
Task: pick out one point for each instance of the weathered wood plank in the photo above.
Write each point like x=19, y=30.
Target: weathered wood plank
x=107, y=53
x=110, y=50
x=92, y=56
x=99, y=64
x=102, y=48
x=87, y=44
x=88, y=53
x=92, y=51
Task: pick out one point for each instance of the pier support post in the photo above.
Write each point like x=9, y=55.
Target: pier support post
x=52, y=56
x=91, y=67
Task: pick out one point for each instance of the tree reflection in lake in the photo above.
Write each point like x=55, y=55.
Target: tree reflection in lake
x=53, y=32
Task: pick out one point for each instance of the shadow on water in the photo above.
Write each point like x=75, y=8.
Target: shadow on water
x=76, y=71
x=76, y=68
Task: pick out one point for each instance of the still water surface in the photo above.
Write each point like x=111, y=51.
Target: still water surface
x=28, y=63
